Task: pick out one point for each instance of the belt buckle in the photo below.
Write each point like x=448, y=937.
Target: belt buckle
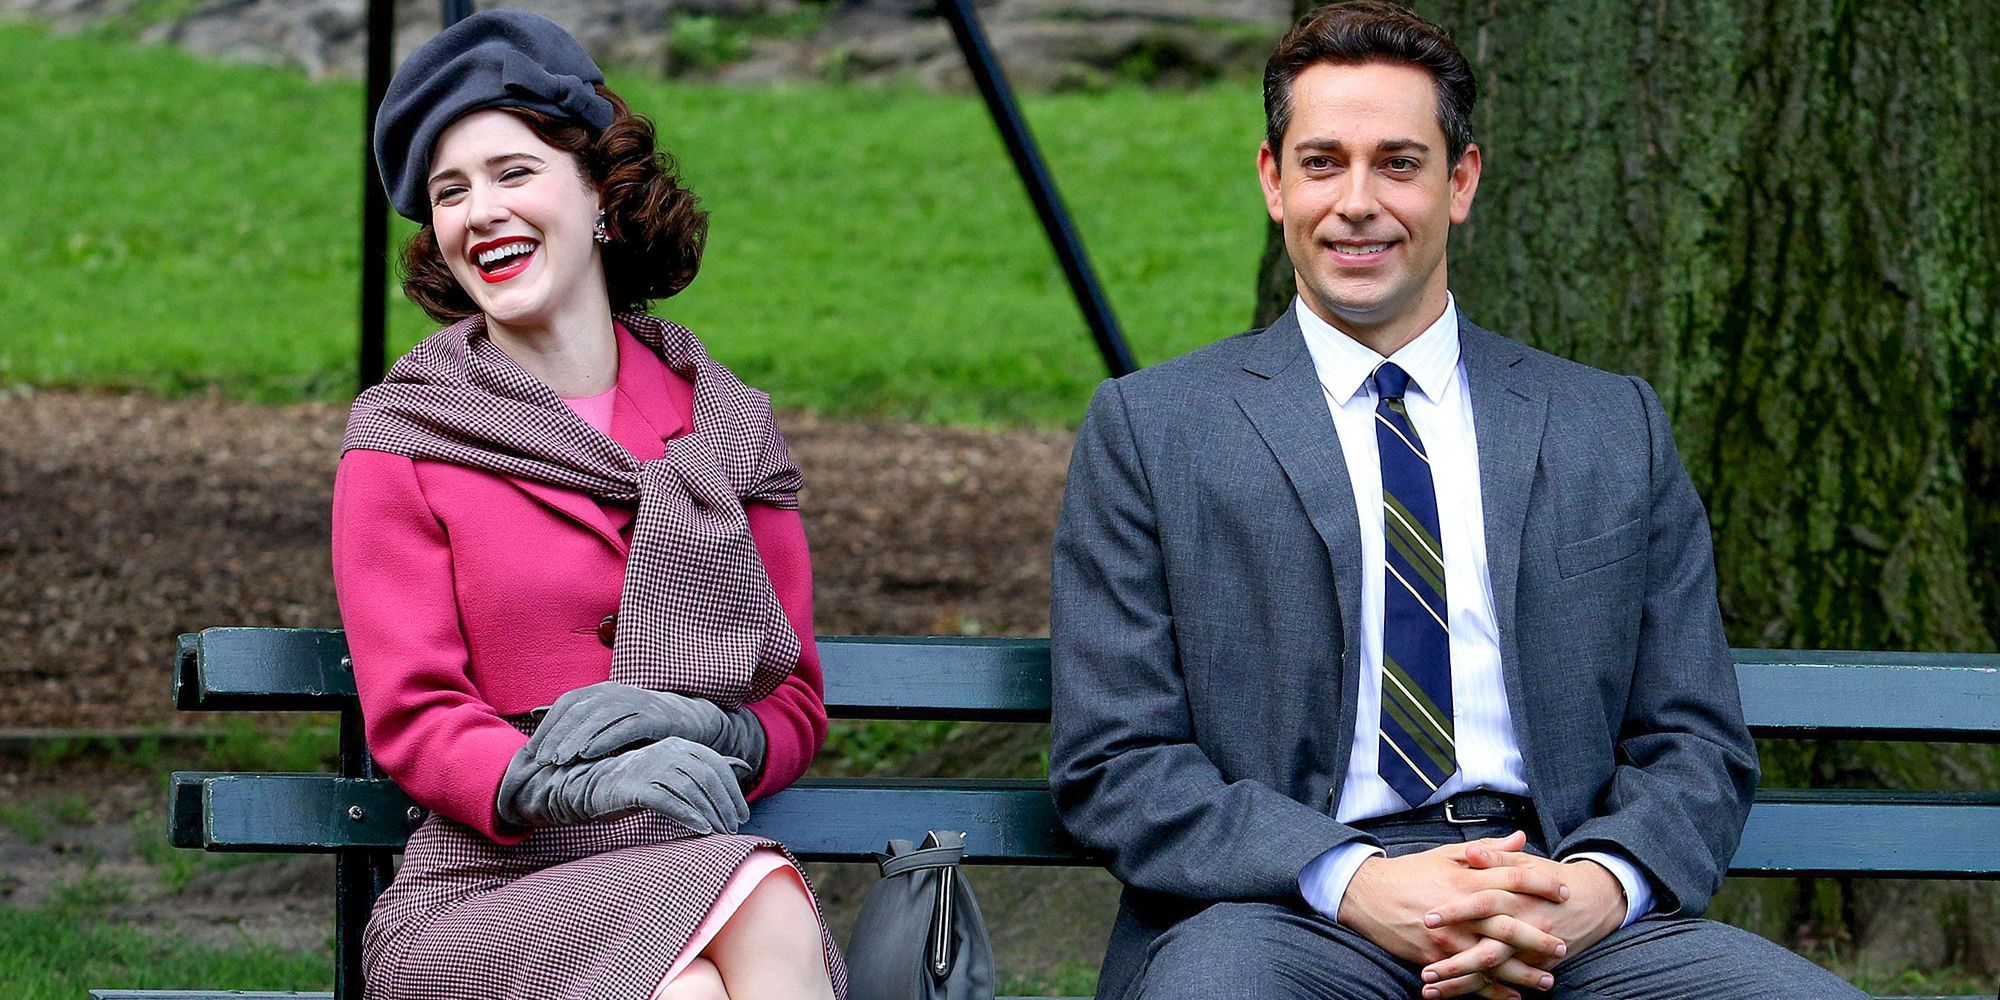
x=1451, y=816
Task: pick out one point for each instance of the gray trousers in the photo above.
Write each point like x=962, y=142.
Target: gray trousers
x=1279, y=951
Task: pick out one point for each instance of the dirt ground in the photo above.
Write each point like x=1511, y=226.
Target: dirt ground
x=125, y=520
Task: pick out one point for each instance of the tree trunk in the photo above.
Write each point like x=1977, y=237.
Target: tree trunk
x=1785, y=214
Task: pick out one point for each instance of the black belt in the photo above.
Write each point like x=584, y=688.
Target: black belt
x=1467, y=808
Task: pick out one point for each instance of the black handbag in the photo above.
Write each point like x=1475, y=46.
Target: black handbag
x=920, y=935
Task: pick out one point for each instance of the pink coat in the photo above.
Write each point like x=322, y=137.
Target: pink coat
x=470, y=595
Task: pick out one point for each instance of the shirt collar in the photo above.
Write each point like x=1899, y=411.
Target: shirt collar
x=1345, y=365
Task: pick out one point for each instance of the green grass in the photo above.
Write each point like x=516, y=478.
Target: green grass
x=87, y=895
x=190, y=225
x=27, y=820
x=60, y=953
x=268, y=742
x=1070, y=979
x=1911, y=982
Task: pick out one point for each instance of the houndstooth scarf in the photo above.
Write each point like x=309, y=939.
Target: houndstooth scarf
x=696, y=614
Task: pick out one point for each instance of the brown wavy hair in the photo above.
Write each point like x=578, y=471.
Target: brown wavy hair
x=657, y=227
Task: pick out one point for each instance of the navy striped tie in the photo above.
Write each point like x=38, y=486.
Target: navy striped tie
x=1418, y=751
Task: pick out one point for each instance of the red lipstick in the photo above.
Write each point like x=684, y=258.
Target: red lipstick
x=507, y=267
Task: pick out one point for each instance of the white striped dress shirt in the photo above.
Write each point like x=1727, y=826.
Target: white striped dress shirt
x=1489, y=756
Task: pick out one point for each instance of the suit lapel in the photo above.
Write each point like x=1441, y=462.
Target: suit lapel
x=642, y=419
x=1509, y=412
x=1288, y=407
x=574, y=504
x=645, y=416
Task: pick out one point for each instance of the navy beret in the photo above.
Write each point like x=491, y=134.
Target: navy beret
x=493, y=59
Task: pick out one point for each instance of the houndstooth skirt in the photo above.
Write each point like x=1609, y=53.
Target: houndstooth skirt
x=594, y=911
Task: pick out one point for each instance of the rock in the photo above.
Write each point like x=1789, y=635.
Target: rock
x=734, y=8
x=1042, y=44
x=1187, y=12
x=71, y=15
x=329, y=37
x=900, y=49
x=769, y=63
x=1066, y=55
x=323, y=38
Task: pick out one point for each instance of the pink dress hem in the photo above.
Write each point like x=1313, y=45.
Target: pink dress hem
x=760, y=865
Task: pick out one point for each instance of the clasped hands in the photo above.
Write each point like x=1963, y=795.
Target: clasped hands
x=1483, y=918
x=611, y=749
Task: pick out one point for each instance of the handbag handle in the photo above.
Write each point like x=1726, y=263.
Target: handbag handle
x=942, y=851
x=945, y=861
x=929, y=857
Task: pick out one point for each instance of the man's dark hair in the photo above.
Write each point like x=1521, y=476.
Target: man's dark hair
x=1365, y=31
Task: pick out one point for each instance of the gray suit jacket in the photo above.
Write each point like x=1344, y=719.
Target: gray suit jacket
x=1206, y=641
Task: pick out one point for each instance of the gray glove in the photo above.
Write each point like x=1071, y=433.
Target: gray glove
x=604, y=718
x=679, y=779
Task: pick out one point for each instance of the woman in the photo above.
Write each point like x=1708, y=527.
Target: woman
x=570, y=565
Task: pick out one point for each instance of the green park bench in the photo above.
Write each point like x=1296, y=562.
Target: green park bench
x=362, y=818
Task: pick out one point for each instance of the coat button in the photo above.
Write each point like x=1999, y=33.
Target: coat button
x=607, y=630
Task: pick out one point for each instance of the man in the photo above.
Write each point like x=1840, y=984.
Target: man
x=1387, y=655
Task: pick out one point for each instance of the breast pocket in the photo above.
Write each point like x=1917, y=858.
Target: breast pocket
x=1580, y=557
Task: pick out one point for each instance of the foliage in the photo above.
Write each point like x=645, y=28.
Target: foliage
x=857, y=749
x=704, y=41
x=194, y=227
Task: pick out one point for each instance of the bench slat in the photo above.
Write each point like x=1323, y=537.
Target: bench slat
x=906, y=677
x=824, y=819
x=187, y=825
x=1786, y=693
x=1881, y=696
x=1005, y=821
x=263, y=669
x=1884, y=834
x=868, y=677
x=302, y=812
x=1804, y=832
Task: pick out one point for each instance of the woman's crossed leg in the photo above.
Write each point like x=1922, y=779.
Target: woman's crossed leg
x=770, y=949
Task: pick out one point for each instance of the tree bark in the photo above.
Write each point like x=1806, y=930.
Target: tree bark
x=1785, y=214
x=1275, y=283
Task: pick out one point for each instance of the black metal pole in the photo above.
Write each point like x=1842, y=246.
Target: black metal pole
x=454, y=11
x=1041, y=185
x=359, y=875
x=375, y=202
